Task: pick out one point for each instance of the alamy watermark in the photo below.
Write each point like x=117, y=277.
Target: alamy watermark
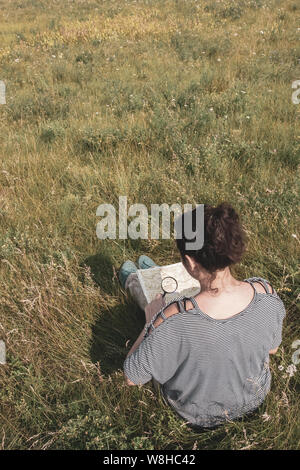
x=139, y=226
x=2, y=92
x=296, y=354
x=2, y=353
x=296, y=86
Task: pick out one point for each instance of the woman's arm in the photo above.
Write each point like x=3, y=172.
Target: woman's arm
x=150, y=310
x=137, y=343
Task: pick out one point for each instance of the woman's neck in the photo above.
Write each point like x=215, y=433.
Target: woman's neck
x=222, y=281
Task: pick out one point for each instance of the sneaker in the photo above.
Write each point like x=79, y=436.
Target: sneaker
x=144, y=262
x=127, y=268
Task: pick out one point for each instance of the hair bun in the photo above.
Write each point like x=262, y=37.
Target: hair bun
x=224, y=211
x=225, y=239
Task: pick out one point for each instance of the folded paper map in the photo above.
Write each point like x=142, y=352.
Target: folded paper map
x=151, y=279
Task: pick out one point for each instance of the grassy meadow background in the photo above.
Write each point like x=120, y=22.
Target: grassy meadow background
x=162, y=101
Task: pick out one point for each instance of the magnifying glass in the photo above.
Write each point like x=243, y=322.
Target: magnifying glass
x=169, y=285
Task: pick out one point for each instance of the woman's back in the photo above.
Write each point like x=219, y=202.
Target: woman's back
x=212, y=363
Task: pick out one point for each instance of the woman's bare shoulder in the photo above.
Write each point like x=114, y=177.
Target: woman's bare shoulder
x=168, y=312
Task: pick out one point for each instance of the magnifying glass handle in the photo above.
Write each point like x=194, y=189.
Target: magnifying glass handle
x=163, y=294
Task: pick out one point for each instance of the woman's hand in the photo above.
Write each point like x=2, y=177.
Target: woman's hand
x=155, y=306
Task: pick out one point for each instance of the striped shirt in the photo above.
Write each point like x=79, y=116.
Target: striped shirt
x=211, y=370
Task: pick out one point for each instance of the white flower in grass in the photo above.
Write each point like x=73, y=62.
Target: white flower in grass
x=280, y=367
x=265, y=417
x=291, y=369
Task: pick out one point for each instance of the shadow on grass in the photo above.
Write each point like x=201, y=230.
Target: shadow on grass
x=111, y=332
x=115, y=326
x=101, y=267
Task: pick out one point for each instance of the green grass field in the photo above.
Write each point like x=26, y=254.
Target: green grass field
x=163, y=101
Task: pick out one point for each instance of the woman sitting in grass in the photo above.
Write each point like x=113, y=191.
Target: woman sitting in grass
x=208, y=354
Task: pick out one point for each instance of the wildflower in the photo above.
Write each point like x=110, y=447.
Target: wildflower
x=17, y=60
x=247, y=117
x=211, y=109
x=294, y=235
x=219, y=60
x=291, y=369
x=265, y=417
x=280, y=367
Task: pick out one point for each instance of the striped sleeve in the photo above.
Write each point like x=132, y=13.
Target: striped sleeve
x=277, y=338
x=158, y=356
